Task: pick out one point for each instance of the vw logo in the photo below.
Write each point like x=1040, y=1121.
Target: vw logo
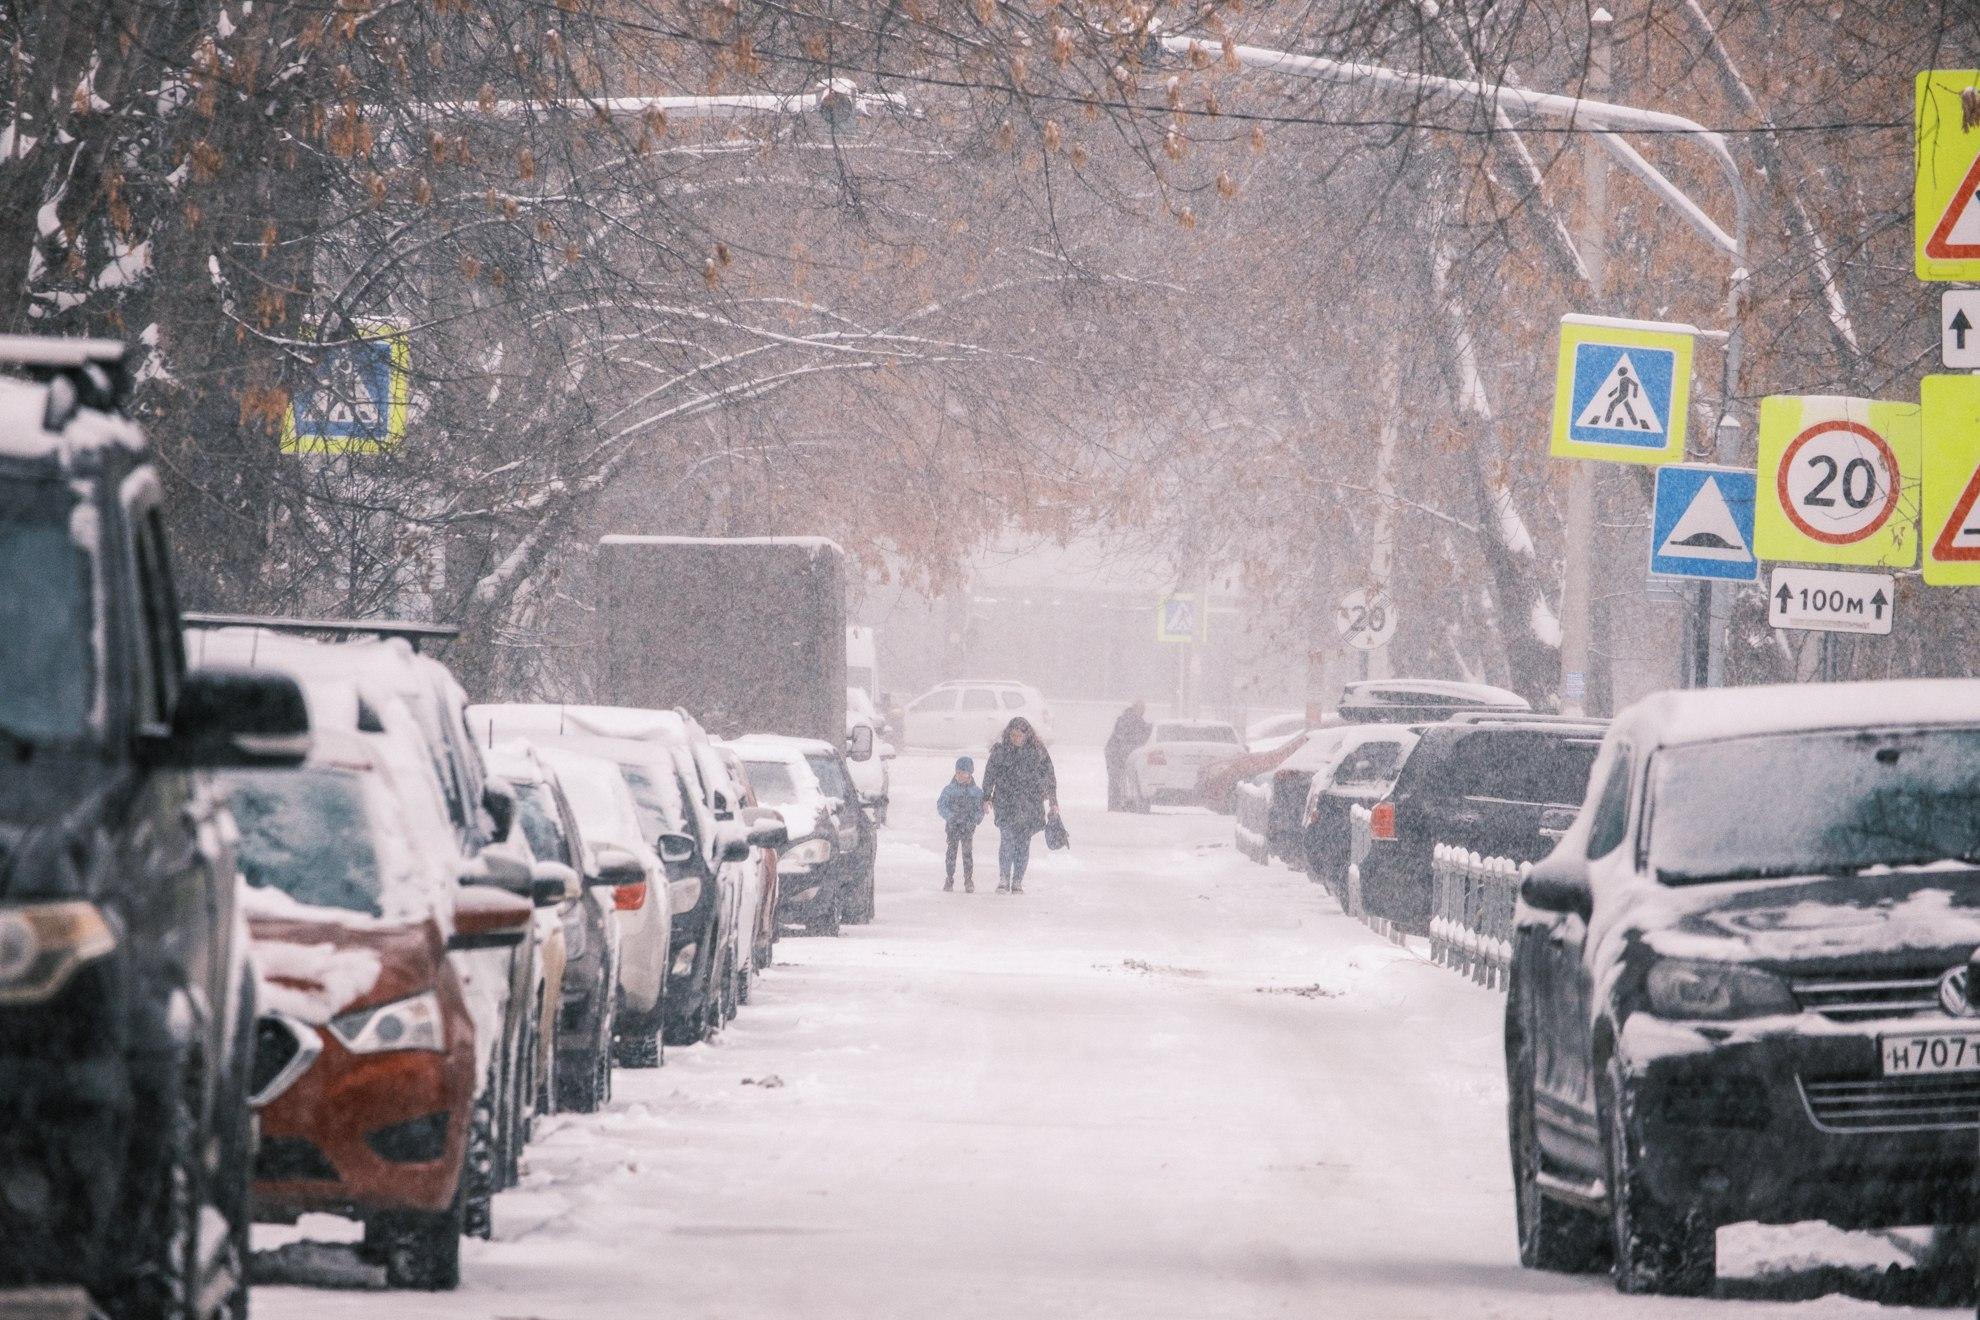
x=1952, y=993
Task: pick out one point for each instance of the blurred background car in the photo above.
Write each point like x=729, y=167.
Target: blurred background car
x=971, y=713
x=1164, y=770
x=827, y=863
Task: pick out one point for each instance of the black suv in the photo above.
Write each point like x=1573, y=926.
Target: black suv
x=1498, y=786
x=126, y=1000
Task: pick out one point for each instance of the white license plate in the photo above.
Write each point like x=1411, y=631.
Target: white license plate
x=1916, y=1054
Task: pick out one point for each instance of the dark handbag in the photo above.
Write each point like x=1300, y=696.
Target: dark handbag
x=1055, y=833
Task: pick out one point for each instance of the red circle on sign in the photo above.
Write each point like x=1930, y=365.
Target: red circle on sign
x=1787, y=463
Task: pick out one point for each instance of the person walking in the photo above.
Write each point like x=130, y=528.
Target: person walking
x=1022, y=791
x=1131, y=730
x=961, y=808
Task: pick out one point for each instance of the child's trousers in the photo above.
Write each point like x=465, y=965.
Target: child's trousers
x=962, y=839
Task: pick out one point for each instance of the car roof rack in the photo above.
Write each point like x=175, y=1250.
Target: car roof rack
x=414, y=633
x=96, y=372
x=1523, y=717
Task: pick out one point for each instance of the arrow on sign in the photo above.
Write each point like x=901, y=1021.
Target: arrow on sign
x=1878, y=602
x=1785, y=596
x=1959, y=326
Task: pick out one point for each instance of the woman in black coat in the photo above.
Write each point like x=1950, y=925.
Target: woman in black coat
x=1021, y=789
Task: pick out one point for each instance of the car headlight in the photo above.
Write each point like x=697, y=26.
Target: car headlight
x=42, y=945
x=812, y=852
x=686, y=892
x=404, y=1024
x=1716, y=991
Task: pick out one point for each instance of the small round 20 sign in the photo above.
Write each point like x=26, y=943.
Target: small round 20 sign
x=1366, y=619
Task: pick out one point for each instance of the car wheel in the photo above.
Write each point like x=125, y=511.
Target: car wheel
x=643, y=1050
x=164, y=1283
x=827, y=922
x=421, y=1251
x=1552, y=1236
x=1656, y=1248
x=478, y=1173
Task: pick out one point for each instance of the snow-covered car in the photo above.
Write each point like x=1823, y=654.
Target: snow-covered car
x=676, y=779
x=1217, y=782
x=970, y=713
x=1739, y=982
x=768, y=833
x=374, y=1109
x=825, y=869
x=1164, y=769
x=126, y=1148
x=1274, y=731
x=870, y=773
x=410, y=706
x=1359, y=771
x=575, y=1053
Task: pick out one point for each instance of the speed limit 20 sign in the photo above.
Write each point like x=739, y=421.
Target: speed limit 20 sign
x=1838, y=481
x=1365, y=619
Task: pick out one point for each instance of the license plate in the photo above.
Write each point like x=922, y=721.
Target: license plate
x=1936, y=1052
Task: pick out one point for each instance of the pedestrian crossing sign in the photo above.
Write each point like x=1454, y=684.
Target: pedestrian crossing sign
x=1177, y=619
x=1950, y=494
x=1621, y=390
x=1701, y=523
x=360, y=397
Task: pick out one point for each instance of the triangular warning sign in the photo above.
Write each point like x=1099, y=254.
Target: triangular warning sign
x=1619, y=403
x=1706, y=529
x=1957, y=235
x=1959, y=540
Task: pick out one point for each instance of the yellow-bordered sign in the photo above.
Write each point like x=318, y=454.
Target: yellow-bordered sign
x=1949, y=523
x=1946, y=177
x=1838, y=481
x=360, y=398
x=1179, y=618
x=1621, y=390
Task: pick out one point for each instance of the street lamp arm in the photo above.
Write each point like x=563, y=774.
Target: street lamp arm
x=1678, y=199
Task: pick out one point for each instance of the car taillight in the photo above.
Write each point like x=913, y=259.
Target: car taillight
x=1158, y=758
x=629, y=898
x=1382, y=821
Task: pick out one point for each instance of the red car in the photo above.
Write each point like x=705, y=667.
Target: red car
x=368, y=1097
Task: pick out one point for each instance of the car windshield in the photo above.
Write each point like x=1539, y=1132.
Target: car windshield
x=1815, y=803
x=1195, y=733
x=656, y=795
x=308, y=833
x=46, y=615
x=541, y=826
x=775, y=785
x=826, y=767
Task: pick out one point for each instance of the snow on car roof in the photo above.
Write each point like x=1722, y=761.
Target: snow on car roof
x=497, y=722
x=23, y=405
x=776, y=746
x=1666, y=719
x=1427, y=692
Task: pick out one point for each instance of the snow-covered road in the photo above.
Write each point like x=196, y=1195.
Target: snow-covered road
x=1162, y=1082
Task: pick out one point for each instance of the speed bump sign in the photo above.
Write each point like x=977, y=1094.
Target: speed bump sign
x=1949, y=526
x=1838, y=481
x=1946, y=179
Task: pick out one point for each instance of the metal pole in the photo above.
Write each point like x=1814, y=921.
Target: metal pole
x=1579, y=550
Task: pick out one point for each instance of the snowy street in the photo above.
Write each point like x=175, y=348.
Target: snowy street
x=1162, y=1082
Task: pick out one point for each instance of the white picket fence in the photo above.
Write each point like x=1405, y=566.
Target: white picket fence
x=1471, y=905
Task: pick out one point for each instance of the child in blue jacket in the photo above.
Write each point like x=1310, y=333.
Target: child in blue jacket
x=961, y=805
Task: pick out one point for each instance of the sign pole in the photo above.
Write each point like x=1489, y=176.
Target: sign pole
x=1580, y=530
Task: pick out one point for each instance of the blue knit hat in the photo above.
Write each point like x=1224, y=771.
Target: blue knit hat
x=966, y=765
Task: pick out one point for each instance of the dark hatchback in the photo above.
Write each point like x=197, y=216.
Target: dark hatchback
x=1738, y=983
x=1498, y=786
x=126, y=1000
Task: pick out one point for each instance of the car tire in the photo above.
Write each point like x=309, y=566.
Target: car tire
x=1552, y=1236
x=422, y=1251
x=164, y=1281
x=1655, y=1248
x=827, y=922
x=731, y=990
x=479, y=1171
x=641, y=1050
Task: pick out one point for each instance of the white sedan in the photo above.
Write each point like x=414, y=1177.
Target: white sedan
x=1164, y=769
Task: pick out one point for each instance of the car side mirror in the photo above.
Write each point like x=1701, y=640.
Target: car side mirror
x=616, y=867
x=489, y=918
x=675, y=849
x=734, y=845
x=1554, y=891
x=859, y=743
x=229, y=718
x=551, y=883
x=502, y=865
x=499, y=800
x=766, y=828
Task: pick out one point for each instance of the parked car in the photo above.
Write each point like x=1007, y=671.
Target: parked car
x=372, y=1106
x=126, y=1001
x=1274, y=731
x=761, y=903
x=1500, y=787
x=376, y=685
x=870, y=774
x=1164, y=770
x=1738, y=982
x=671, y=767
x=825, y=868
x=577, y=1057
x=1285, y=802
x=1217, y=781
x=1360, y=771
x=1422, y=700
x=971, y=713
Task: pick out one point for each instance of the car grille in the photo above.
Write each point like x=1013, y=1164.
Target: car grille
x=1895, y=1103
x=415, y=1141
x=292, y=1159
x=1855, y=999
